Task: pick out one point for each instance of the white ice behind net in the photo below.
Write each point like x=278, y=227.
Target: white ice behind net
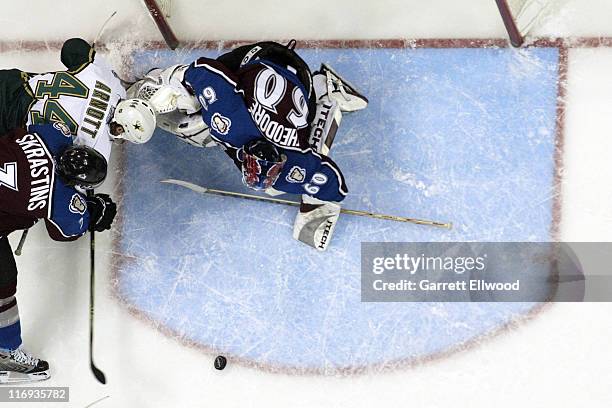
x=166, y=7
x=526, y=13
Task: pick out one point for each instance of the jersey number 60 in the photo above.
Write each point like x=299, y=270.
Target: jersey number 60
x=270, y=88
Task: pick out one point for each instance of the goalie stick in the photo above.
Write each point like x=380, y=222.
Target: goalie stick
x=204, y=190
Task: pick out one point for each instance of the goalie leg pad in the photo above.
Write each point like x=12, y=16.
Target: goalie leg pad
x=339, y=89
x=315, y=222
x=327, y=118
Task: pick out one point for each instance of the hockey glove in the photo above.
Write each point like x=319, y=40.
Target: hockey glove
x=102, y=211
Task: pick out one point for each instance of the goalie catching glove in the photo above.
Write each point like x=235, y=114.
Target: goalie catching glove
x=165, y=90
x=315, y=222
x=102, y=211
x=178, y=111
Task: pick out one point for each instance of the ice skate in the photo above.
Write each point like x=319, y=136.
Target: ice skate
x=18, y=366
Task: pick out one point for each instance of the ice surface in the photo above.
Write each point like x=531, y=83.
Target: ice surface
x=461, y=135
x=561, y=358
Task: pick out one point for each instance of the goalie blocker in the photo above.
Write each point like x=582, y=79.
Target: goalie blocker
x=315, y=222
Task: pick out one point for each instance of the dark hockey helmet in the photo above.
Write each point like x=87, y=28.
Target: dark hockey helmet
x=81, y=166
x=262, y=163
x=286, y=55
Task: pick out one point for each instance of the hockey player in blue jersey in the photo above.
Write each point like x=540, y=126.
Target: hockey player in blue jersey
x=40, y=171
x=274, y=118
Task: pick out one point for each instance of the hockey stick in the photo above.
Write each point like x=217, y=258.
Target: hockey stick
x=204, y=190
x=103, y=28
x=24, y=235
x=92, y=274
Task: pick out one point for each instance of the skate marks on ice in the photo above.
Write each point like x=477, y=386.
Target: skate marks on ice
x=466, y=135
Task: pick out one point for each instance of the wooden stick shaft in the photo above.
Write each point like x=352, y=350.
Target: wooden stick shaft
x=204, y=190
x=22, y=240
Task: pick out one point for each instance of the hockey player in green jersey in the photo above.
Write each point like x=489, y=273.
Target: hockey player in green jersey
x=88, y=98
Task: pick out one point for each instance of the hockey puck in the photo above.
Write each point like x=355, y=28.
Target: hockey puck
x=220, y=362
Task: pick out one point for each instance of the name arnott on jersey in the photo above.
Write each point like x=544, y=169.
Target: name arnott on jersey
x=41, y=171
x=275, y=132
x=96, y=111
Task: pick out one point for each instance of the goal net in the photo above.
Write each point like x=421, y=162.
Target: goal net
x=166, y=7
x=160, y=11
x=520, y=16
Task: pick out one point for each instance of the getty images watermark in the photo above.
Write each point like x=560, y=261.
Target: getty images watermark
x=485, y=272
x=34, y=394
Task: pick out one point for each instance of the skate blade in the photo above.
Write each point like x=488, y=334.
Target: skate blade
x=12, y=377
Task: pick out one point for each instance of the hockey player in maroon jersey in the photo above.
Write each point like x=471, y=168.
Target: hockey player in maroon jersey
x=275, y=119
x=40, y=171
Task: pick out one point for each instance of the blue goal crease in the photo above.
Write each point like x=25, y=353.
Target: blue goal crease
x=454, y=135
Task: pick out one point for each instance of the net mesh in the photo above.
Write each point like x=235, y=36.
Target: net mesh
x=166, y=7
x=527, y=12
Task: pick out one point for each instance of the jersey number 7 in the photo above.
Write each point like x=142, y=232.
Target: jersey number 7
x=8, y=176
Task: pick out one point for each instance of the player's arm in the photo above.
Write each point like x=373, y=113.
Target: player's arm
x=313, y=174
x=320, y=208
x=68, y=218
x=222, y=100
x=72, y=214
x=322, y=186
x=178, y=86
x=176, y=107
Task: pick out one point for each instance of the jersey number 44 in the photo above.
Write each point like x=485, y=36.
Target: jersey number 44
x=62, y=84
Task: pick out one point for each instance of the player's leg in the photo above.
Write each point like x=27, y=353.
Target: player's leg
x=15, y=364
x=16, y=97
x=342, y=91
x=334, y=95
x=316, y=220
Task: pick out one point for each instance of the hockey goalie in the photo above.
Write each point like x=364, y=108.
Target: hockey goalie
x=274, y=118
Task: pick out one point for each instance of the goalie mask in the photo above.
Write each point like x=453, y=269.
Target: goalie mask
x=262, y=163
x=134, y=120
x=81, y=166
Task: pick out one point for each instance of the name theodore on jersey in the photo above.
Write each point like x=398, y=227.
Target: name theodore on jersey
x=272, y=130
x=40, y=171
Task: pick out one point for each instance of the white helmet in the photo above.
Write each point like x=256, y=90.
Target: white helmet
x=137, y=118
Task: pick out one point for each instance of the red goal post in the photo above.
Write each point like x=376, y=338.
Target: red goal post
x=160, y=15
x=519, y=16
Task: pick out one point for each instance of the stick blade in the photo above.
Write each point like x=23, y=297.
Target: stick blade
x=98, y=374
x=186, y=184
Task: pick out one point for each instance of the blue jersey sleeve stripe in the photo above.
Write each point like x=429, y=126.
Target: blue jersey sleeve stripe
x=61, y=231
x=216, y=71
x=341, y=183
x=220, y=141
